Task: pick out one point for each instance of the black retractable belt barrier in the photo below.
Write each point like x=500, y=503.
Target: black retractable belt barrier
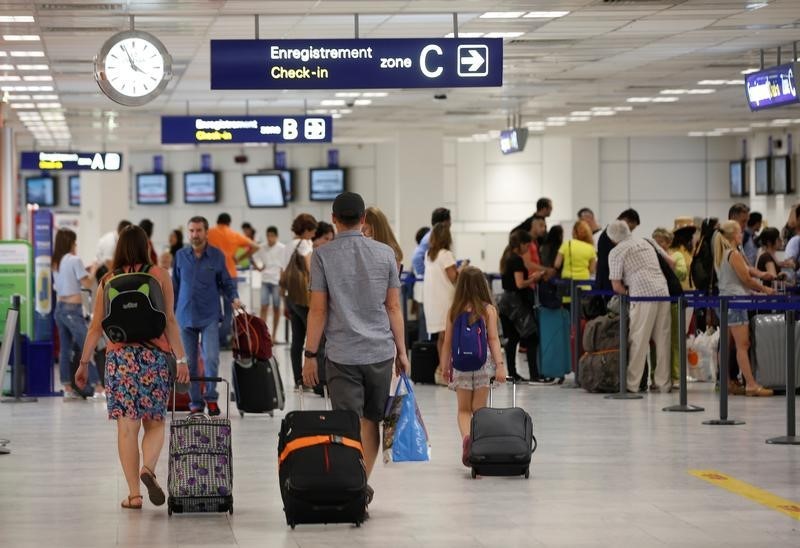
x=791, y=437
x=18, y=369
x=723, y=376
x=575, y=321
x=623, y=393
x=683, y=406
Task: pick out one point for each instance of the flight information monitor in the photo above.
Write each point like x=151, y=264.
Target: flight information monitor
x=772, y=87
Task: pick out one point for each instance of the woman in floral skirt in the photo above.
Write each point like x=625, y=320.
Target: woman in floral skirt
x=137, y=375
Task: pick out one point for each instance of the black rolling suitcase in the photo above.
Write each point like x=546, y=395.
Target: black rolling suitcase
x=502, y=440
x=321, y=468
x=258, y=388
x=200, y=461
x=424, y=361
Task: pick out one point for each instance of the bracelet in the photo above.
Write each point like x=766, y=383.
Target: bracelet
x=181, y=361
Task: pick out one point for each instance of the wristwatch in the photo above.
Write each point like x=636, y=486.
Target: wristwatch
x=309, y=354
x=181, y=361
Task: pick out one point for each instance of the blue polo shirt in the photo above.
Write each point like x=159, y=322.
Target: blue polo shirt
x=418, y=260
x=198, y=283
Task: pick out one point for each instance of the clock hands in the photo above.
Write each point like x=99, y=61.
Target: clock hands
x=130, y=60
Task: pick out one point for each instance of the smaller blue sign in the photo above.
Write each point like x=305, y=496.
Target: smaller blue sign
x=158, y=163
x=333, y=157
x=60, y=161
x=773, y=87
x=42, y=221
x=280, y=159
x=211, y=129
x=205, y=162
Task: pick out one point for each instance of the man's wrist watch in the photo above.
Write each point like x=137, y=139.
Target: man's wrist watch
x=309, y=354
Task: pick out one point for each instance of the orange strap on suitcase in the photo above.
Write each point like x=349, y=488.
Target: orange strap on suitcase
x=311, y=441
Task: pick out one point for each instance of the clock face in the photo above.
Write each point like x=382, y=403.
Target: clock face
x=132, y=68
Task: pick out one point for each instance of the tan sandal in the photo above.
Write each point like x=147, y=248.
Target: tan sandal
x=154, y=490
x=129, y=505
x=759, y=392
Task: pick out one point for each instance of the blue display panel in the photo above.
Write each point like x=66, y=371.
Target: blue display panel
x=40, y=191
x=152, y=188
x=356, y=63
x=200, y=187
x=75, y=190
x=264, y=190
x=58, y=161
x=326, y=184
x=773, y=87
x=210, y=129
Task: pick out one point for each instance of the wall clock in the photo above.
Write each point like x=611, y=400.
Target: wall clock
x=132, y=68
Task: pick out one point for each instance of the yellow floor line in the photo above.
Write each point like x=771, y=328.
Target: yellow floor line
x=782, y=505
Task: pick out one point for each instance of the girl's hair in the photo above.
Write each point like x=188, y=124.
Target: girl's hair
x=683, y=238
x=472, y=294
x=769, y=236
x=173, y=249
x=440, y=239
x=515, y=240
x=303, y=223
x=132, y=248
x=65, y=239
x=382, y=232
x=552, y=242
x=581, y=231
x=323, y=229
x=664, y=235
x=723, y=242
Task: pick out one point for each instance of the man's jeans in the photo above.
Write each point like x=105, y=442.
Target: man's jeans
x=209, y=338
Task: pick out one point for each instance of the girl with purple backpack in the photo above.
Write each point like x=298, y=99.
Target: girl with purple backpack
x=470, y=337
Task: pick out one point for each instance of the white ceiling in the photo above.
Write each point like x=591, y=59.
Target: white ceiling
x=600, y=55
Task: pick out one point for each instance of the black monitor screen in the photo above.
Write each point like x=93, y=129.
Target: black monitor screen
x=40, y=191
x=781, y=175
x=200, y=187
x=326, y=184
x=152, y=188
x=762, y=176
x=264, y=190
x=74, y=190
x=288, y=181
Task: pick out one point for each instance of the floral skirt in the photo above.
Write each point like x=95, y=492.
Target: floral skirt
x=137, y=383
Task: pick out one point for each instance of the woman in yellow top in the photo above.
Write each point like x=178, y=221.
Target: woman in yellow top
x=577, y=258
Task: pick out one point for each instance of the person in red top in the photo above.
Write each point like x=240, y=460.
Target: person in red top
x=147, y=226
x=229, y=242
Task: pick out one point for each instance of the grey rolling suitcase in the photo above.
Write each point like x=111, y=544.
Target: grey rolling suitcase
x=768, y=350
x=502, y=440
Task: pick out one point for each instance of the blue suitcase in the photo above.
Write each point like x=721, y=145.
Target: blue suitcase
x=554, y=347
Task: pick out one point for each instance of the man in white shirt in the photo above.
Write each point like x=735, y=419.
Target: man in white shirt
x=269, y=261
x=106, y=246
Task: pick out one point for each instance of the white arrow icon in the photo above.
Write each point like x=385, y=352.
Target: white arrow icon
x=475, y=60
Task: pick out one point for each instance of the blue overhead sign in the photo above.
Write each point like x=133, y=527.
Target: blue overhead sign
x=772, y=87
x=245, y=129
x=71, y=161
x=356, y=63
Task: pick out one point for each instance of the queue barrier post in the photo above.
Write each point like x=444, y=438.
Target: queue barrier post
x=791, y=437
x=18, y=369
x=683, y=406
x=724, y=374
x=623, y=393
x=575, y=323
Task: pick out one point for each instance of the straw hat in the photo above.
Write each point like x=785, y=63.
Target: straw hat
x=682, y=223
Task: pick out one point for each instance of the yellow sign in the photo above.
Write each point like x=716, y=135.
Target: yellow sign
x=765, y=498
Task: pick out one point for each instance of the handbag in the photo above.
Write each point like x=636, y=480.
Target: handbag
x=405, y=438
x=294, y=279
x=513, y=306
x=673, y=283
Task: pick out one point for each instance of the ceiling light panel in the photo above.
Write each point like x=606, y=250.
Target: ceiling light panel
x=26, y=54
x=545, y=14
x=464, y=35
x=502, y=15
x=38, y=78
x=6, y=67
x=32, y=67
x=9, y=78
x=363, y=102
x=16, y=19
x=21, y=37
x=503, y=34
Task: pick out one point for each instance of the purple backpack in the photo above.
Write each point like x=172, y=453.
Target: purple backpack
x=469, y=343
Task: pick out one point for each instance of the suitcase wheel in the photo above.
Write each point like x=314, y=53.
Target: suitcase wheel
x=272, y=413
x=474, y=473
x=357, y=524
x=292, y=525
x=527, y=473
x=230, y=509
x=169, y=510
x=241, y=414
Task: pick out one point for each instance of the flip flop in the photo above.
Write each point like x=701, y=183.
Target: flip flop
x=154, y=490
x=130, y=505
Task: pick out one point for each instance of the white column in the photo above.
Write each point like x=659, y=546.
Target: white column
x=8, y=180
x=105, y=201
x=419, y=180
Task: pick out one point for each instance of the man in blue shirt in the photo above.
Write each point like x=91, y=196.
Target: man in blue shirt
x=199, y=276
x=439, y=215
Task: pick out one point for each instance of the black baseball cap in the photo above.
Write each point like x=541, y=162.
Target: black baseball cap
x=349, y=205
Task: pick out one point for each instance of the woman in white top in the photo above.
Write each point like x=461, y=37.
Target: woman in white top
x=69, y=276
x=439, y=285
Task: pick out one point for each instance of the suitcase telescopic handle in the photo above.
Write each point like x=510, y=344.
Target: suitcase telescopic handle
x=513, y=382
x=205, y=379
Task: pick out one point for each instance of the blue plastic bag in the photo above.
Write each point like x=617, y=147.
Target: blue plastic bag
x=405, y=438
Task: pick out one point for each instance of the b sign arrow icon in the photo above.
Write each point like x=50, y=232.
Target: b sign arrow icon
x=473, y=60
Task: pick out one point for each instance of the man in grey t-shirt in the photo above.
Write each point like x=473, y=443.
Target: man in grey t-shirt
x=355, y=297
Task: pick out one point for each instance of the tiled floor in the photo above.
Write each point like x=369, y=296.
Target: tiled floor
x=607, y=473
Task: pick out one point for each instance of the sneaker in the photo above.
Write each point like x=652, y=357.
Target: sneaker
x=213, y=409
x=99, y=397
x=70, y=395
x=465, y=447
